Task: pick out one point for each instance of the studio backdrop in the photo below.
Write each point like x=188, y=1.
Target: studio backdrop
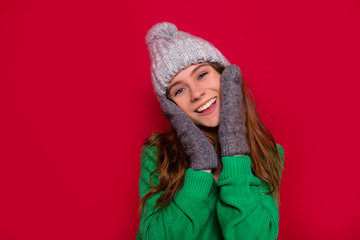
x=76, y=104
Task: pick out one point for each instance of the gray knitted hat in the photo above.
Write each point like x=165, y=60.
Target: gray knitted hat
x=172, y=50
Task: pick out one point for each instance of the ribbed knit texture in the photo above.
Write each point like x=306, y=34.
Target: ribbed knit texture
x=232, y=208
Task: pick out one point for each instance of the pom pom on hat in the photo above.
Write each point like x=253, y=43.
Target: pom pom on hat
x=172, y=50
x=164, y=30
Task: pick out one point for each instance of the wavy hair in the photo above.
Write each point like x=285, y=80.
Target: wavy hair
x=172, y=160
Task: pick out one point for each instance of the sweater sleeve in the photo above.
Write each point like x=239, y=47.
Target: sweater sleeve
x=188, y=212
x=244, y=210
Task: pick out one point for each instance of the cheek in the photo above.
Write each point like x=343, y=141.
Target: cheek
x=182, y=105
x=218, y=84
x=215, y=83
x=216, y=87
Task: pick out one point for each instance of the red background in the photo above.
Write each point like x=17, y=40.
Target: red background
x=76, y=102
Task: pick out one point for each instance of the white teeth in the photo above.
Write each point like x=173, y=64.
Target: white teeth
x=207, y=105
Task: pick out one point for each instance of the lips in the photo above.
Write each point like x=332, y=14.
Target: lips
x=207, y=105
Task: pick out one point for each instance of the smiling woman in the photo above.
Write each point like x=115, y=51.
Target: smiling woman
x=196, y=90
x=217, y=173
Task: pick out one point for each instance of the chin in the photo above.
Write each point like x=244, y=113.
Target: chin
x=213, y=125
x=209, y=124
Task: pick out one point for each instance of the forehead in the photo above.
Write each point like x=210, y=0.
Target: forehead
x=187, y=72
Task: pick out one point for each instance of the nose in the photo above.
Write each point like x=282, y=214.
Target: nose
x=196, y=91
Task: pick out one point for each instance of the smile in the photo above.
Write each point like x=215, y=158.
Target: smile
x=206, y=105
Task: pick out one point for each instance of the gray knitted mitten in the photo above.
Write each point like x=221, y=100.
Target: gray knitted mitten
x=202, y=154
x=232, y=129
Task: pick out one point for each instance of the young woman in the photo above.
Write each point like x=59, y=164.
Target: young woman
x=217, y=173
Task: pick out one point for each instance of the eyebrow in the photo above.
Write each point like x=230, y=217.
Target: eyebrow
x=173, y=86
x=195, y=69
x=192, y=73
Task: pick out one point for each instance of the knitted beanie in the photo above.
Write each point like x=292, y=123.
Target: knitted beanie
x=172, y=50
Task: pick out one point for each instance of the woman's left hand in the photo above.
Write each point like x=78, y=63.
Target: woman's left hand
x=232, y=128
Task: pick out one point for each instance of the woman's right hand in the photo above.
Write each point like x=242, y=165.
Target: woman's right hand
x=199, y=149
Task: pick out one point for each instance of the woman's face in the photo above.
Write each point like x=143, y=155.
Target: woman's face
x=196, y=90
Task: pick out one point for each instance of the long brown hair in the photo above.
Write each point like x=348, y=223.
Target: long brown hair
x=172, y=161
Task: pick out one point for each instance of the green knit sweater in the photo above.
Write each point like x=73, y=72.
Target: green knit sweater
x=234, y=207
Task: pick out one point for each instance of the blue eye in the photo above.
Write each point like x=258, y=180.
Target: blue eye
x=179, y=91
x=202, y=75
